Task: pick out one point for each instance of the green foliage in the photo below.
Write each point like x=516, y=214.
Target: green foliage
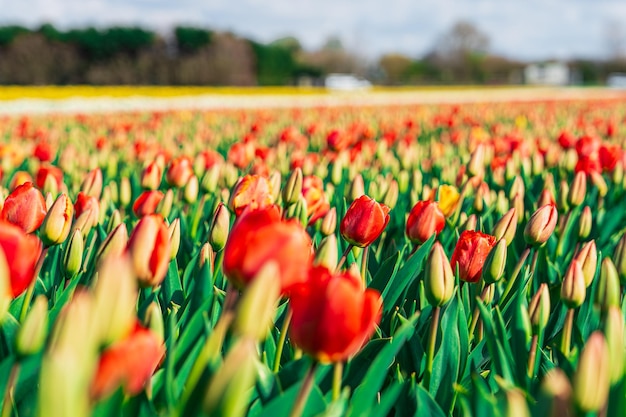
x=190, y=39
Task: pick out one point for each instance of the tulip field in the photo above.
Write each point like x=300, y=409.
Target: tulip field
x=425, y=259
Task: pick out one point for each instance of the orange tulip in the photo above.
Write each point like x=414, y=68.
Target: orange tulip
x=260, y=236
x=147, y=203
x=316, y=202
x=470, y=254
x=251, y=191
x=425, y=219
x=129, y=363
x=149, y=248
x=22, y=252
x=179, y=172
x=84, y=203
x=46, y=170
x=333, y=314
x=92, y=184
x=151, y=176
x=25, y=207
x=364, y=221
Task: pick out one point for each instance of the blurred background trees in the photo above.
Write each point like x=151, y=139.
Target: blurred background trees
x=199, y=56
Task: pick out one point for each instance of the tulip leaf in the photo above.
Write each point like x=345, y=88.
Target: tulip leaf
x=446, y=362
x=171, y=289
x=495, y=342
x=385, y=272
x=387, y=400
x=281, y=405
x=400, y=281
x=426, y=405
x=365, y=394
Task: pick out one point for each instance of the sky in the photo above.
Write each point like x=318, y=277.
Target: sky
x=520, y=29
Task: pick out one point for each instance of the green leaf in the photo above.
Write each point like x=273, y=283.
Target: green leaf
x=282, y=404
x=426, y=405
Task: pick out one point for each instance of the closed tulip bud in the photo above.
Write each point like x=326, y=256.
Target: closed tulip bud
x=179, y=172
x=391, y=196
x=210, y=179
x=619, y=255
x=598, y=181
x=149, y=248
x=58, y=221
x=293, y=188
x=518, y=203
x=73, y=256
x=125, y=192
x=502, y=204
x=438, y=277
x=257, y=306
x=21, y=251
x=164, y=208
x=85, y=222
x=220, y=225
x=153, y=320
x=517, y=187
x=506, y=227
x=364, y=221
x=541, y=225
x=115, y=298
x=375, y=191
x=357, y=188
x=424, y=221
x=573, y=289
x=585, y=223
x=608, y=290
x=469, y=224
x=329, y=222
x=92, y=184
x=593, y=375
x=470, y=254
x=33, y=331
x=114, y=220
x=206, y=255
x=174, y=231
x=614, y=331
x=476, y=164
x=25, y=207
x=618, y=174
x=493, y=270
x=151, y=176
x=49, y=201
x=115, y=243
x=403, y=182
x=516, y=403
x=147, y=203
x=230, y=175
x=578, y=190
x=50, y=185
x=556, y=394
x=275, y=180
x=539, y=309
x=417, y=181
x=228, y=391
x=190, y=192
x=563, y=197
x=545, y=198
x=588, y=258
x=487, y=294
x=327, y=253
x=448, y=198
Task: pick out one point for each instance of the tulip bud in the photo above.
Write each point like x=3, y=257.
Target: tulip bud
x=585, y=223
x=149, y=248
x=588, y=259
x=608, y=290
x=220, y=225
x=153, y=320
x=257, y=307
x=598, y=180
x=190, y=192
x=32, y=333
x=275, y=180
x=563, y=197
x=364, y=221
x=502, y=204
x=73, y=256
x=469, y=224
x=620, y=258
x=298, y=211
x=50, y=185
x=151, y=176
x=164, y=208
x=125, y=192
x=578, y=190
x=25, y=207
x=495, y=263
x=115, y=243
x=403, y=182
x=329, y=222
x=573, y=290
x=293, y=188
x=448, y=198
x=211, y=179
x=391, y=196
x=206, y=255
x=174, y=231
x=487, y=294
x=114, y=220
x=425, y=220
x=517, y=187
x=539, y=309
x=556, y=393
x=56, y=225
x=327, y=253
x=614, y=331
x=179, y=172
x=506, y=227
x=476, y=164
x=545, y=198
x=618, y=174
x=541, y=225
x=592, y=378
x=438, y=277
x=228, y=391
x=357, y=188
x=516, y=404
x=92, y=185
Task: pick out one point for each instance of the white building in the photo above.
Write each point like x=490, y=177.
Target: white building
x=548, y=73
x=346, y=82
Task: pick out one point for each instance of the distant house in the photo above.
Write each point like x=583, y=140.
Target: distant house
x=547, y=73
x=616, y=80
x=346, y=82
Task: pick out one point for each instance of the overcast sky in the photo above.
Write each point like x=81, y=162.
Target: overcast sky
x=524, y=29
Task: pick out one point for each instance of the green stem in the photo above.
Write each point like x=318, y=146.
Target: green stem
x=561, y=242
x=305, y=390
x=337, y=376
x=567, y=332
x=217, y=267
x=344, y=256
x=31, y=288
x=281, y=340
x=432, y=340
x=473, y=324
x=532, y=356
x=7, y=404
x=364, y=266
x=513, y=278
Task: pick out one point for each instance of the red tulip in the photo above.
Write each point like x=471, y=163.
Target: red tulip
x=259, y=236
x=46, y=170
x=149, y=247
x=179, y=172
x=147, y=203
x=333, y=314
x=470, y=254
x=25, y=207
x=92, y=184
x=425, y=219
x=19, y=178
x=252, y=191
x=43, y=151
x=129, y=363
x=364, y=221
x=610, y=155
x=22, y=252
x=84, y=203
x=151, y=176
